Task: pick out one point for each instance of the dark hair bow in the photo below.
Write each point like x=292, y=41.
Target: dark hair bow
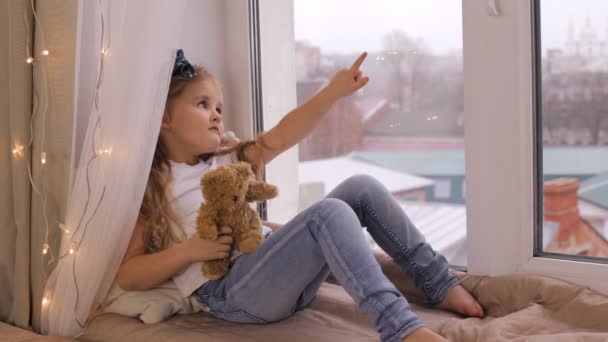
x=182, y=66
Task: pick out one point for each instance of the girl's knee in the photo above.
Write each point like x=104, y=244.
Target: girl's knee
x=363, y=181
x=330, y=206
x=335, y=214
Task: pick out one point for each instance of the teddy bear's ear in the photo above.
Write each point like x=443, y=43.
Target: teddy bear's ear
x=243, y=169
x=217, y=176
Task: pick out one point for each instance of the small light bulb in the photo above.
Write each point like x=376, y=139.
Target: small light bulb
x=18, y=150
x=30, y=60
x=43, y=158
x=72, y=248
x=44, y=52
x=45, y=248
x=45, y=301
x=106, y=151
x=62, y=227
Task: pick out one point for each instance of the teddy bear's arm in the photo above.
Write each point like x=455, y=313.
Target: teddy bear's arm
x=252, y=218
x=206, y=223
x=249, y=236
x=260, y=190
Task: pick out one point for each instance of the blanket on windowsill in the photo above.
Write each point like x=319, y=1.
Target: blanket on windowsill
x=518, y=308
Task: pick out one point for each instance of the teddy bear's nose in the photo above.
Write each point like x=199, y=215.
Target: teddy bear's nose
x=235, y=199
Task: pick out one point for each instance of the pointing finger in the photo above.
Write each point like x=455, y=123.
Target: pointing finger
x=358, y=62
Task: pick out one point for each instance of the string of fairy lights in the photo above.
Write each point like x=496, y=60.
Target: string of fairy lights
x=20, y=150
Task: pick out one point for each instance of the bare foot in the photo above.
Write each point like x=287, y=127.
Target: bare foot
x=460, y=301
x=424, y=335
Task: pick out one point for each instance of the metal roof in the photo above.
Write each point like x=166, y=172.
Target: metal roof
x=332, y=171
x=556, y=160
x=595, y=190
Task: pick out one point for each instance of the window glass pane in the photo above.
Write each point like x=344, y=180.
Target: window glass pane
x=406, y=126
x=574, y=69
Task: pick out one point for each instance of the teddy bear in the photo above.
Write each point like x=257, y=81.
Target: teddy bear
x=228, y=190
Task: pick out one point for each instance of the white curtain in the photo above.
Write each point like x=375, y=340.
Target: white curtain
x=142, y=37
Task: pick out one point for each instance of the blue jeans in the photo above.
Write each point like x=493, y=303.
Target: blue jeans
x=284, y=274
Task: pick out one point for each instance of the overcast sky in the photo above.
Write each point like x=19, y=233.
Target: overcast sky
x=356, y=25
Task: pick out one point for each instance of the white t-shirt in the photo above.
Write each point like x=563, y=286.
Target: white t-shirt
x=186, y=198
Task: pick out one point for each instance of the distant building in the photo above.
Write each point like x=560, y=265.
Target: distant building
x=575, y=235
x=584, y=51
x=318, y=177
x=593, y=201
x=446, y=167
x=308, y=61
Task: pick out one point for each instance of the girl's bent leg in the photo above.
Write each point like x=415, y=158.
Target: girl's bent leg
x=286, y=270
x=390, y=227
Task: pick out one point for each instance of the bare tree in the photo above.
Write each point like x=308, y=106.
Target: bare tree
x=555, y=107
x=576, y=100
x=597, y=112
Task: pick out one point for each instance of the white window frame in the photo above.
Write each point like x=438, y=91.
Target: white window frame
x=499, y=146
x=277, y=92
x=499, y=136
x=278, y=64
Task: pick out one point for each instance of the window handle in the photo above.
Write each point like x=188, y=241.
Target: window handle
x=493, y=8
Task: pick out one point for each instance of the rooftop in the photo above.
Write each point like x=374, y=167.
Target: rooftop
x=332, y=171
x=595, y=190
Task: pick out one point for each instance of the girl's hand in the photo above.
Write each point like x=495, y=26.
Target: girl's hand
x=349, y=80
x=197, y=249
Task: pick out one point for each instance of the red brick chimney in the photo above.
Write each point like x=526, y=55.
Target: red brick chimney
x=561, y=206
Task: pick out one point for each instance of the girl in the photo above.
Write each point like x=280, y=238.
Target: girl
x=283, y=275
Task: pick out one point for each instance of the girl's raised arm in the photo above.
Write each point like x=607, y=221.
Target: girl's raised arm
x=298, y=123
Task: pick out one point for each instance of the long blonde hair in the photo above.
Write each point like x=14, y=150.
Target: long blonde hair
x=156, y=213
